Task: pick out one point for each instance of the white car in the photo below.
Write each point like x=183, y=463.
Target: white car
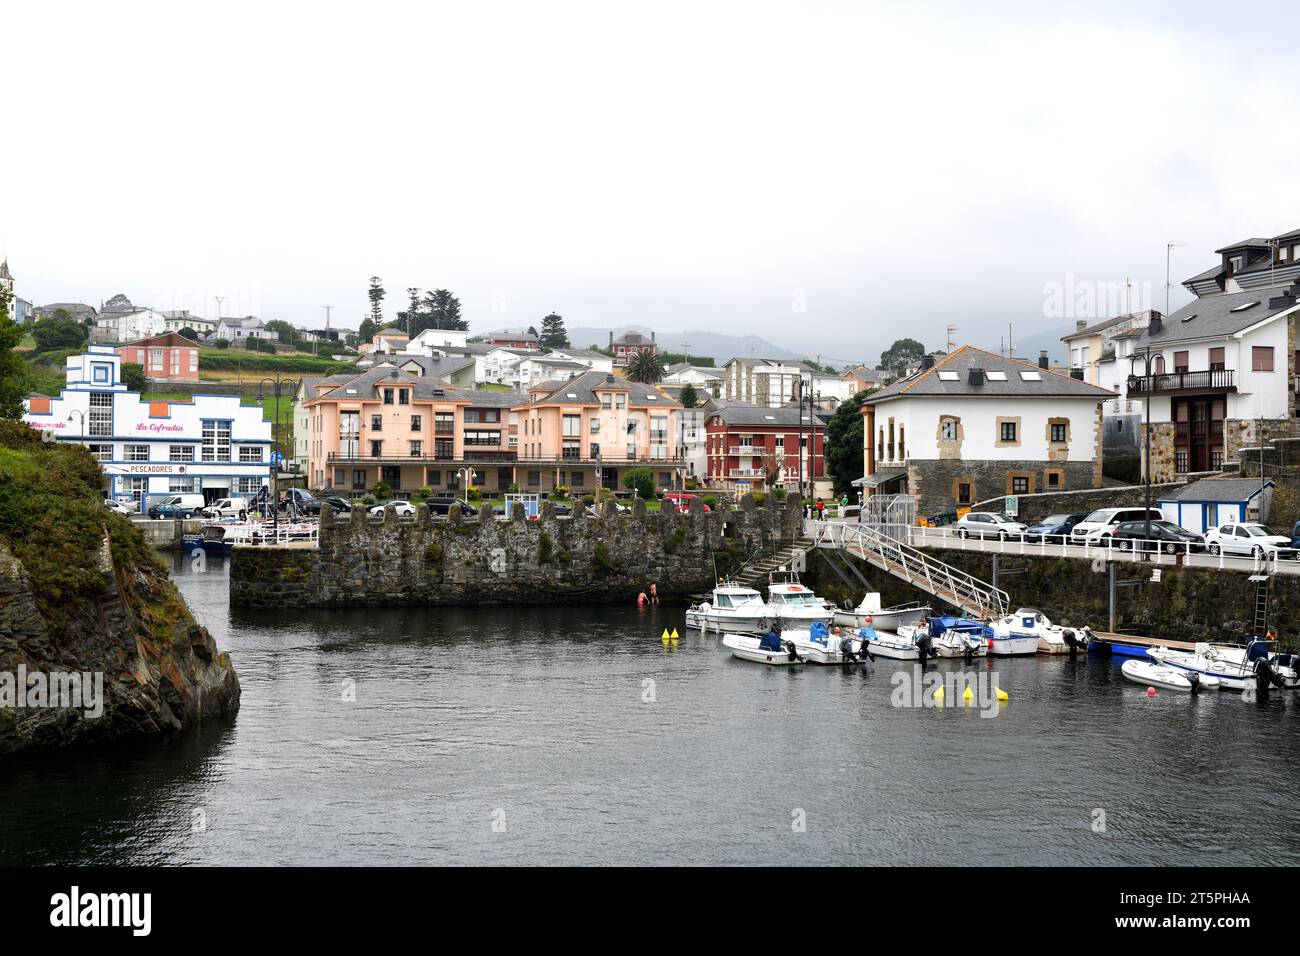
x=112, y=504
x=404, y=509
x=989, y=524
x=227, y=508
x=1103, y=522
x=1248, y=538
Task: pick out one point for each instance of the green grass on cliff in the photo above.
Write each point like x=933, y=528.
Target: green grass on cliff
x=53, y=519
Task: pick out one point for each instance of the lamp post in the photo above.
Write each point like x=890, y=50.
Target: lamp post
x=279, y=383
x=1146, y=462
x=76, y=411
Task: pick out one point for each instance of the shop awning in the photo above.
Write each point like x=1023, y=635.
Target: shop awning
x=881, y=478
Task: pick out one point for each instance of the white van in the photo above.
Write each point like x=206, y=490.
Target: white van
x=227, y=508
x=1101, y=523
x=177, y=506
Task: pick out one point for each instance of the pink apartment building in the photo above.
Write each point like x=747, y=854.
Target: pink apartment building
x=169, y=357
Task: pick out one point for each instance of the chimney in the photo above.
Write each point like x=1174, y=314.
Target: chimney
x=976, y=376
x=652, y=335
x=1080, y=324
x=1076, y=373
x=611, y=341
x=1042, y=359
x=1155, y=325
x=927, y=361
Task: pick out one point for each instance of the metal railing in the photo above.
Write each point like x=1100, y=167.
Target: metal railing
x=914, y=566
x=1177, y=381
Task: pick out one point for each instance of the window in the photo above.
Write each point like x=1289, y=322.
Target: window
x=572, y=426
x=388, y=396
x=593, y=424
x=403, y=396
x=194, y=360
x=416, y=449
x=1261, y=358
x=1180, y=362
x=1216, y=359
x=1019, y=485
x=248, y=486
x=358, y=479
x=216, y=440
x=376, y=423
x=103, y=452
x=1058, y=432
x=534, y=479
x=948, y=429
x=620, y=401
x=604, y=400
x=250, y=453
x=1053, y=479
x=180, y=453
x=1158, y=365
x=137, y=453
x=184, y=486
x=376, y=449
x=963, y=492
x=415, y=423
x=340, y=477
x=444, y=423
x=1008, y=431
x=576, y=479
x=101, y=414
x=482, y=438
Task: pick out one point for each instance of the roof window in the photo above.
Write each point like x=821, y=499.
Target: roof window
x=1027, y=375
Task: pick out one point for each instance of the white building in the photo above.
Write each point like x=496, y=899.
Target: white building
x=128, y=326
x=592, y=360
x=249, y=327
x=183, y=319
x=704, y=379
x=768, y=382
x=978, y=425
x=426, y=341
x=535, y=369
x=500, y=361
x=211, y=445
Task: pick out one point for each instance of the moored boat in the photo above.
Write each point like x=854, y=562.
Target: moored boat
x=1029, y=631
x=793, y=603
x=819, y=645
x=767, y=648
x=959, y=637
x=1170, y=678
x=1235, y=666
x=731, y=610
x=869, y=613
x=908, y=643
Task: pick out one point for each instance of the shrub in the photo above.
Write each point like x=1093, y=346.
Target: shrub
x=588, y=500
x=600, y=556
x=369, y=499
x=381, y=490
x=711, y=501
x=513, y=489
x=759, y=497
x=473, y=494
x=545, y=548
x=560, y=493
x=780, y=495
x=220, y=343
x=641, y=480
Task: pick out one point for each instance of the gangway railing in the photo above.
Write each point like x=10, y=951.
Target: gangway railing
x=914, y=566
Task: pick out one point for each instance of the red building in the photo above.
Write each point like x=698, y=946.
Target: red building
x=746, y=445
x=628, y=344
x=166, y=358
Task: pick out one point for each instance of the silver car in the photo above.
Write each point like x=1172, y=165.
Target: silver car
x=989, y=524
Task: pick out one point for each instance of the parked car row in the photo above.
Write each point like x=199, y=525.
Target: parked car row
x=1132, y=528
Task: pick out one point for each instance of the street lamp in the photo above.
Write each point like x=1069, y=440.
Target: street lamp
x=278, y=382
x=79, y=412
x=467, y=476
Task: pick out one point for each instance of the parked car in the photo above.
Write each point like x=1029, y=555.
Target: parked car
x=299, y=498
x=112, y=504
x=1248, y=538
x=439, y=504
x=177, y=506
x=339, y=504
x=681, y=501
x=989, y=524
x=1163, y=535
x=1103, y=522
x=227, y=508
x=1295, y=535
x=1053, y=527
x=403, y=508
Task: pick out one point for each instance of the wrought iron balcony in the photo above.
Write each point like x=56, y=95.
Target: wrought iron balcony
x=1220, y=379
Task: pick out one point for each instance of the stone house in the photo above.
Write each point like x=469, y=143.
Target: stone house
x=976, y=425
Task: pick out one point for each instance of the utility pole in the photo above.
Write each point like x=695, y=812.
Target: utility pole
x=220, y=299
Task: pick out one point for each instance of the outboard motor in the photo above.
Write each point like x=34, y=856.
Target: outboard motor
x=793, y=654
x=1265, y=676
x=924, y=643
x=1194, y=679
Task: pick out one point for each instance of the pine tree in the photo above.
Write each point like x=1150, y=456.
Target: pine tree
x=376, y=295
x=442, y=311
x=410, y=318
x=553, y=335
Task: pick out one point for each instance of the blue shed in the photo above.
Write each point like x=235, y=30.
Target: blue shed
x=1210, y=502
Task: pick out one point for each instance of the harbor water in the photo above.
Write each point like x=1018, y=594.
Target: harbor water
x=574, y=735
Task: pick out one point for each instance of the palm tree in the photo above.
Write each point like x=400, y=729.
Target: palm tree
x=645, y=367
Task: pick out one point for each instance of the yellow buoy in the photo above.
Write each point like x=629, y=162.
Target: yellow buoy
x=938, y=694
x=969, y=695
x=665, y=636
x=1002, y=695
x=674, y=635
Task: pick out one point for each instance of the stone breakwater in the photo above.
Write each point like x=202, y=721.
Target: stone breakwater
x=598, y=554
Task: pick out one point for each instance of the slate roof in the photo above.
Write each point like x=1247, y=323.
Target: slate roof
x=1051, y=384
x=1104, y=324
x=633, y=338
x=1213, y=316
x=1218, y=490
x=583, y=388
x=432, y=367
x=423, y=388
x=746, y=413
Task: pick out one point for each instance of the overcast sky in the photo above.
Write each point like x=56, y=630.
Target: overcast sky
x=827, y=175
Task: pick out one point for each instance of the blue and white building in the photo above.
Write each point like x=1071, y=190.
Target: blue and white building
x=210, y=445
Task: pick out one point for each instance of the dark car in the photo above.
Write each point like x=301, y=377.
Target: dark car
x=335, y=502
x=1163, y=535
x=1052, y=527
x=303, y=501
x=440, y=505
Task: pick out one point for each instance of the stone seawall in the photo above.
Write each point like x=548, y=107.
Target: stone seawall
x=1186, y=604
x=1034, y=507
x=595, y=555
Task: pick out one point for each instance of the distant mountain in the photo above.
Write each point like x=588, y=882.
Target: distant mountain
x=715, y=345
x=1028, y=347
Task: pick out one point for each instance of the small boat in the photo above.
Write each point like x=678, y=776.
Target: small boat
x=211, y=540
x=792, y=603
x=959, y=637
x=767, y=648
x=869, y=613
x=1170, y=678
x=1029, y=631
x=731, y=610
x=1235, y=666
x=818, y=645
x=906, y=644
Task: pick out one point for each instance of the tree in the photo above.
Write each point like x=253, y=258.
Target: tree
x=376, y=296
x=688, y=396
x=441, y=311
x=645, y=367
x=288, y=334
x=642, y=480
x=221, y=343
x=55, y=334
x=12, y=367
x=532, y=330
x=901, y=354
x=770, y=465
x=553, y=335
x=133, y=376
x=367, y=330
x=844, y=443
x=189, y=333
x=411, y=314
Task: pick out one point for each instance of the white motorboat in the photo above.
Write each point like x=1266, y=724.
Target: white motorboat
x=1235, y=666
x=818, y=645
x=869, y=613
x=961, y=643
x=768, y=648
x=731, y=610
x=1170, y=678
x=905, y=644
x=793, y=603
x=1029, y=631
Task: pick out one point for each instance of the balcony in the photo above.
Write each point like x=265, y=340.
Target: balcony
x=1213, y=380
x=745, y=473
x=745, y=450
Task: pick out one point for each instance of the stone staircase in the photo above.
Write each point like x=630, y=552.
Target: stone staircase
x=755, y=573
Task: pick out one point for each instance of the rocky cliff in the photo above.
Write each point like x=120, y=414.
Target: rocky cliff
x=95, y=641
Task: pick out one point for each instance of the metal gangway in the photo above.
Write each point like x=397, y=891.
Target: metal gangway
x=879, y=547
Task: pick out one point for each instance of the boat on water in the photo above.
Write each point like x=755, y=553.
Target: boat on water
x=731, y=610
x=819, y=645
x=908, y=643
x=869, y=613
x=1030, y=631
x=768, y=648
x=211, y=540
x=1152, y=674
x=961, y=637
x=793, y=603
x=1235, y=666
